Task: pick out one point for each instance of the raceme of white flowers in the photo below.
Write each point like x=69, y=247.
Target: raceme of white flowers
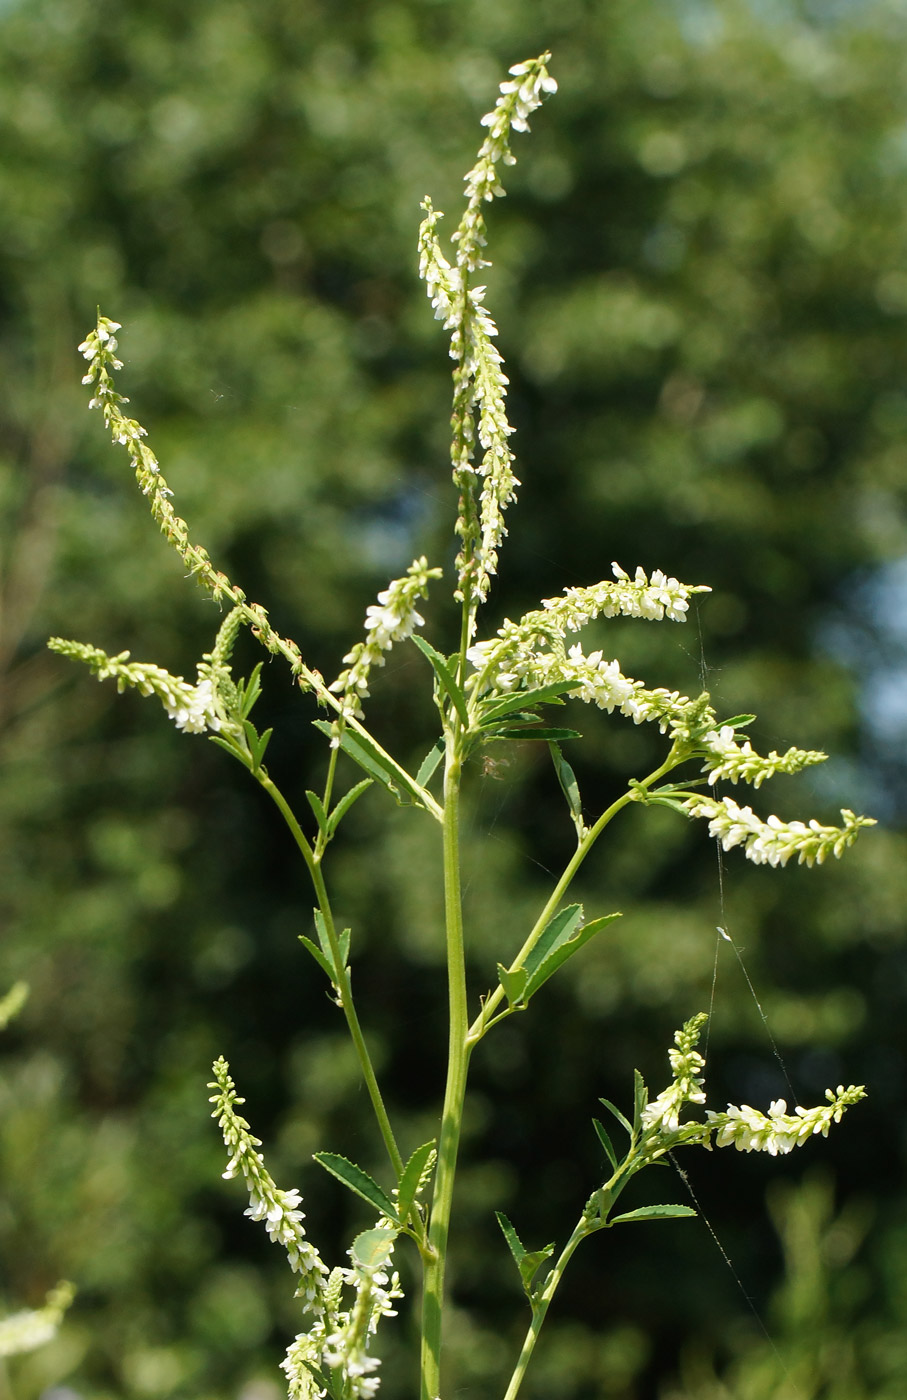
x=663, y=1113
x=480, y=385
x=193, y=708
x=773, y=842
x=779, y=1131
x=338, y=1339
x=744, y=1128
x=391, y=620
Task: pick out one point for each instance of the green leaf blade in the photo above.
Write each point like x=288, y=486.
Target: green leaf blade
x=345, y=803
x=359, y=1182
x=604, y=1139
x=565, y=950
x=612, y=1108
x=664, y=1212
x=514, y=984
x=446, y=678
x=317, y=807
x=411, y=1178
x=373, y=1248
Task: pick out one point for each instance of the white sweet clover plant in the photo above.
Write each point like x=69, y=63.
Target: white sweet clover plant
x=486, y=691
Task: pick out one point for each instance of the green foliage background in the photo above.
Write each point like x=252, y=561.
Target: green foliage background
x=701, y=285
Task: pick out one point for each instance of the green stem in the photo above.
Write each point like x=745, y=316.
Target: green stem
x=455, y=1091
x=344, y=988
x=483, y=1020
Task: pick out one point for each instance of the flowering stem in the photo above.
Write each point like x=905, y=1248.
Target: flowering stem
x=484, y=1020
x=344, y=988
x=455, y=1091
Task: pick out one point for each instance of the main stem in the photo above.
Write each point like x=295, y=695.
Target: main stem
x=455, y=1091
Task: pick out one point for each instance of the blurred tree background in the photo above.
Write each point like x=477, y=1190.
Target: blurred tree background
x=701, y=285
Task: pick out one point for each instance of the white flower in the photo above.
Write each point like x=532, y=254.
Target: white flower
x=194, y=709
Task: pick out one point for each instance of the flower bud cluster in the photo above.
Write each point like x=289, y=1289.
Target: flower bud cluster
x=779, y=1131
x=278, y=1209
x=774, y=842
x=390, y=620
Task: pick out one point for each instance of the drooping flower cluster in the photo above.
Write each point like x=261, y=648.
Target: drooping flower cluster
x=480, y=385
x=390, y=620
x=779, y=1131
x=774, y=842
x=278, y=1209
x=662, y=1114
x=99, y=348
x=193, y=708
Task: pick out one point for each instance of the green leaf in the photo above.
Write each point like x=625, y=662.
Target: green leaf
x=430, y=761
x=378, y=765
x=318, y=956
x=514, y=984
x=738, y=722
x=257, y=743
x=445, y=676
x=373, y=1248
x=232, y=748
x=317, y=807
x=323, y=1381
x=605, y=1142
x=564, y=950
x=612, y=1108
x=359, y=1181
x=569, y=787
x=323, y=939
x=640, y=1099
x=345, y=803
x=411, y=1178
x=526, y=699
x=527, y=1262
x=249, y=691
x=653, y=1213
x=359, y=753
x=555, y=932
